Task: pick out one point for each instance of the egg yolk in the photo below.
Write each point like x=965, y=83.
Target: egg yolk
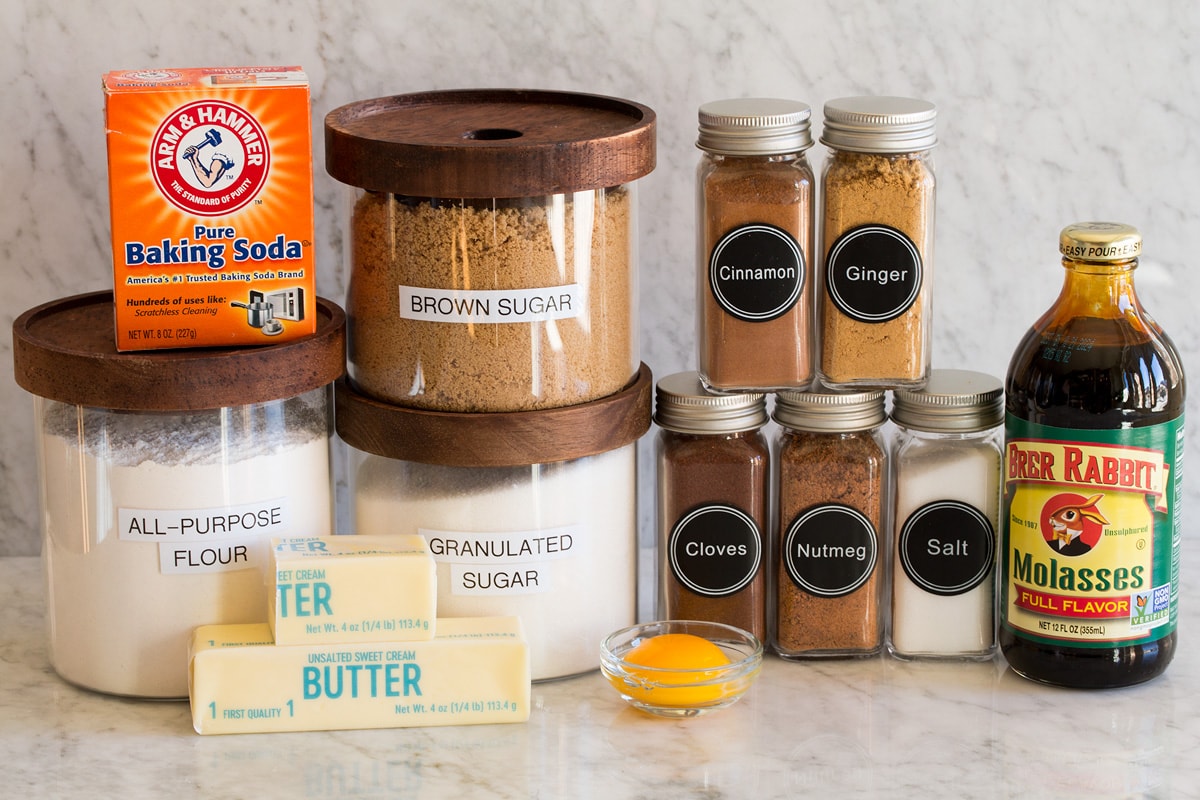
x=674, y=658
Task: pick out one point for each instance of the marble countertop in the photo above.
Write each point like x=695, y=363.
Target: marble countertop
x=875, y=728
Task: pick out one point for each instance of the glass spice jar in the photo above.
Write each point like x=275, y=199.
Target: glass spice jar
x=946, y=458
x=1094, y=453
x=712, y=463
x=492, y=246
x=877, y=217
x=755, y=243
x=832, y=480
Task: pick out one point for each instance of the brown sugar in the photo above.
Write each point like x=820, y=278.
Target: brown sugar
x=471, y=246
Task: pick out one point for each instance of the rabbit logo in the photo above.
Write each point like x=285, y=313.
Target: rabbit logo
x=1071, y=524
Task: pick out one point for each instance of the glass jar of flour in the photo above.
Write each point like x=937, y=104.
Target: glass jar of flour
x=532, y=514
x=163, y=475
x=492, y=246
x=946, y=471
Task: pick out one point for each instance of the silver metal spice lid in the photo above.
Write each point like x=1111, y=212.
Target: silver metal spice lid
x=952, y=401
x=754, y=126
x=880, y=124
x=1100, y=241
x=682, y=404
x=830, y=413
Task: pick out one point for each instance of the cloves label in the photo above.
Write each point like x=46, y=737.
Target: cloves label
x=715, y=550
x=757, y=272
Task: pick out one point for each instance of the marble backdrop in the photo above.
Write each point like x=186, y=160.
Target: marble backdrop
x=1049, y=113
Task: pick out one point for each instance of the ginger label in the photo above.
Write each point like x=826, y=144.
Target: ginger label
x=1091, y=543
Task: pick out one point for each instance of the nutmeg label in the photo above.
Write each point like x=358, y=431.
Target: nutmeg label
x=830, y=550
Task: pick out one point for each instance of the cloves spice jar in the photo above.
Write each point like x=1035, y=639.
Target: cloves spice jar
x=492, y=246
x=877, y=216
x=832, y=488
x=163, y=476
x=713, y=468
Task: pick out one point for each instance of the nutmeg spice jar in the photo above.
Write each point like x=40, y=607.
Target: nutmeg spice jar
x=833, y=511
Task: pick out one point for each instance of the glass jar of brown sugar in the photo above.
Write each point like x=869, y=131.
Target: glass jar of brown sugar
x=878, y=191
x=755, y=226
x=713, y=465
x=492, y=246
x=832, y=494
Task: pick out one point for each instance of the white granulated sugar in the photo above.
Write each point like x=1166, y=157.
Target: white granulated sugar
x=554, y=544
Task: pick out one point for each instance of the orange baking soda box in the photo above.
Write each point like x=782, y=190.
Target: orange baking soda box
x=210, y=183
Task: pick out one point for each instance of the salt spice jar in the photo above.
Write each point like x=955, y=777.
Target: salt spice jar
x=492, y=245
x=163, y=476
x=946, y=465
x=877, y=215
x=832, y=482
x=754, y=282
x=712, y=465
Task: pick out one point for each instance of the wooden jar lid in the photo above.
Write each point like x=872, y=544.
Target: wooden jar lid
x=494, y=439
x=489, y=143
x=66, y=350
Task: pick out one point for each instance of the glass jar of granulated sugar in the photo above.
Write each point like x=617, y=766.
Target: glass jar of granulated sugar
x=492, y=246
x=946, y=459
x=532, y=514
x=163, y=474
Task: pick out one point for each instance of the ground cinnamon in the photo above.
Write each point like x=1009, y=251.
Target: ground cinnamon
x=755, y=221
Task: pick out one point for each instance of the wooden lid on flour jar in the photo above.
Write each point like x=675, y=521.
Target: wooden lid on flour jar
x=492, y=253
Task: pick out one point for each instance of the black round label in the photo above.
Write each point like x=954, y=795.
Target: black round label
x=830, y=550
x=947, y=547
x=873, y=273
x=715, y=550
x=756, y=272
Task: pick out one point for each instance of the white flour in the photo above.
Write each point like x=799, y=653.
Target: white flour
x=554, y=544
x=118, y=622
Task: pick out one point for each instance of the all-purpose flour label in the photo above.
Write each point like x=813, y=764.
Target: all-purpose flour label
x=206, y=539
x=503, y=563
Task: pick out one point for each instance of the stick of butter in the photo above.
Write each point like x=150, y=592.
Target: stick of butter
x=474, y=672
x=333, y=589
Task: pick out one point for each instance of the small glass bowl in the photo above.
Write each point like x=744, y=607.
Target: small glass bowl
x=674, y=692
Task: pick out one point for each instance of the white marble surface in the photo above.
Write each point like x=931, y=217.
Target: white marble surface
x=837, y=729
x=1049, y=113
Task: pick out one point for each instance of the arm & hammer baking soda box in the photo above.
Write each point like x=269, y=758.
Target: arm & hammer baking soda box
x=210, y=185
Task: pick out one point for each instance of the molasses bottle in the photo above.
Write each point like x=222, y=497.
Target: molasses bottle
x=1092, y=478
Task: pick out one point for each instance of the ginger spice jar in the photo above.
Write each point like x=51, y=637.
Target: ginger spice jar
x=163, y=476
x=492, y=246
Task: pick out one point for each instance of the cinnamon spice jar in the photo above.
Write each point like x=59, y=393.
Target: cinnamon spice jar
x=755, y=226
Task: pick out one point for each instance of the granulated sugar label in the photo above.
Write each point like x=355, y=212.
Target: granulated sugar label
x=1091, y=546
x=210, y=184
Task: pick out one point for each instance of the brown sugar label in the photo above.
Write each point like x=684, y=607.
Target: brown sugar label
x=756, y=272
x=830, y=550
x=873, y=273
x=715, y=550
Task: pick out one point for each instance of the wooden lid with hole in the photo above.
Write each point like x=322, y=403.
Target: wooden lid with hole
x=489, y=143
x=494, y=439
x=65, y=350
